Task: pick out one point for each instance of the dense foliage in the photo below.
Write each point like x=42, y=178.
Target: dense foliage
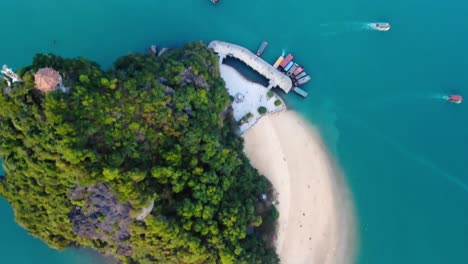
x=151, y=129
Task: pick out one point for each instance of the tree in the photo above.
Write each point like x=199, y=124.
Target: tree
x=82, y=166
x=262, y=110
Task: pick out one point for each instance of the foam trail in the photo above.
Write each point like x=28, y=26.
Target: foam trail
x=339, y=28
x=410, y=155
x=440, y=96
x=391, y=100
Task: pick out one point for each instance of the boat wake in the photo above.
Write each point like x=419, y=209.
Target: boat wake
x=440, y=96
x=402, y=149
x=404, y=99
x=338, y=28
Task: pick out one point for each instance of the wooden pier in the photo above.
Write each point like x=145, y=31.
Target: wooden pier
x=275, y=77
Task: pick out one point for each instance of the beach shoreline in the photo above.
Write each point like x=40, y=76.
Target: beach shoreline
x=316, y=223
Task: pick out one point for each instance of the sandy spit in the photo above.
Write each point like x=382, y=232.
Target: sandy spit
x=316, y=223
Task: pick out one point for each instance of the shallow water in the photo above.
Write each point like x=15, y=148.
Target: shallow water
x=374, y=96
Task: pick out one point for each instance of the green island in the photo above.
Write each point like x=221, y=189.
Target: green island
x=142, y=161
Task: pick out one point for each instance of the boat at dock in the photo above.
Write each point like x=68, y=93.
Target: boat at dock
x=455, y=98
x=303, y=80
x=286, y=60
x=297, y=71
x=292, y=69
x=278, y=61
x=381, y=26
x=262, y=48
x=290, y=64
x=302, y=74
x=300, y=92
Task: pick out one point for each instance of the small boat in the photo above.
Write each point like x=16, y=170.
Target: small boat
x=302, y=74
x=297, y=71
x=278, y=61
x=303, y=80
x=286, y=60
x=381, y=26
x=290, y=64
x=214, y=1
x=262, y=48
x=300, y=92
x=455, y=98
x=292, y=69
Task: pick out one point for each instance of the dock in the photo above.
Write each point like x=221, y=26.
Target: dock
x=275, y=77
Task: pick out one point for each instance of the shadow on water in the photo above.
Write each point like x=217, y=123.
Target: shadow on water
x=246, y=71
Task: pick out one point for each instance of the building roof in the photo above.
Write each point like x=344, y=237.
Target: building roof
x=47, y=79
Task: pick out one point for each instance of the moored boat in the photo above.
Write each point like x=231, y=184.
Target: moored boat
x=297, y=71
x=455, y=98
x=286, y=60
x=290, y=64
x=292, y=69
x=380, y=26
x=303, y=80
x=300, y=75
x=262, y=48
x=300, y=92
x=278, y=61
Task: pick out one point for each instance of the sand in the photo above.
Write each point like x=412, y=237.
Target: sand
x=316, y=223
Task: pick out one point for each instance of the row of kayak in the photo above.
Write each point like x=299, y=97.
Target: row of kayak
x=292, y=69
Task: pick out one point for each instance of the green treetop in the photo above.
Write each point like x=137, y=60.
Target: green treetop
x=82, y=164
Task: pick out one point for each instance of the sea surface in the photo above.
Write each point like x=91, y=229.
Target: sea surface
x=376, y=97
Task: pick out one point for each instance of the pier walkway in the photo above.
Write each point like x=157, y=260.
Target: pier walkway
x=275, y=77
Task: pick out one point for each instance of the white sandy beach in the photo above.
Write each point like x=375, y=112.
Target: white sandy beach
x=316, y=223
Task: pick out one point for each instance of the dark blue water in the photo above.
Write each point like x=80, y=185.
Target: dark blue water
x=376, y=98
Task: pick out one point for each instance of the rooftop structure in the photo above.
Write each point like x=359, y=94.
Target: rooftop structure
x=47, y=79
x=275, y=77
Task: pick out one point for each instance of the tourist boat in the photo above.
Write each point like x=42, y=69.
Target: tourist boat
x=297, y=71
x=278, y=61
x=286, y=60
x=292, y=69
x=290, y=64
x=381, y=26
x=302, y=74
x=303, y=80
x=262, y=48
x=300, y=92
x=455, y=98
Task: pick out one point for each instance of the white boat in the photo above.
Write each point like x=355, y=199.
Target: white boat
x=380, y=26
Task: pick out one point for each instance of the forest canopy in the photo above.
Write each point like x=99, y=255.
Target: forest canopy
x=141, y=161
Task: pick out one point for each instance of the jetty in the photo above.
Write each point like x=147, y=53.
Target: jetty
x=275, y=77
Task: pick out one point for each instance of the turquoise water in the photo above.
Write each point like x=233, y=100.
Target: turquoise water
x=373, y=97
